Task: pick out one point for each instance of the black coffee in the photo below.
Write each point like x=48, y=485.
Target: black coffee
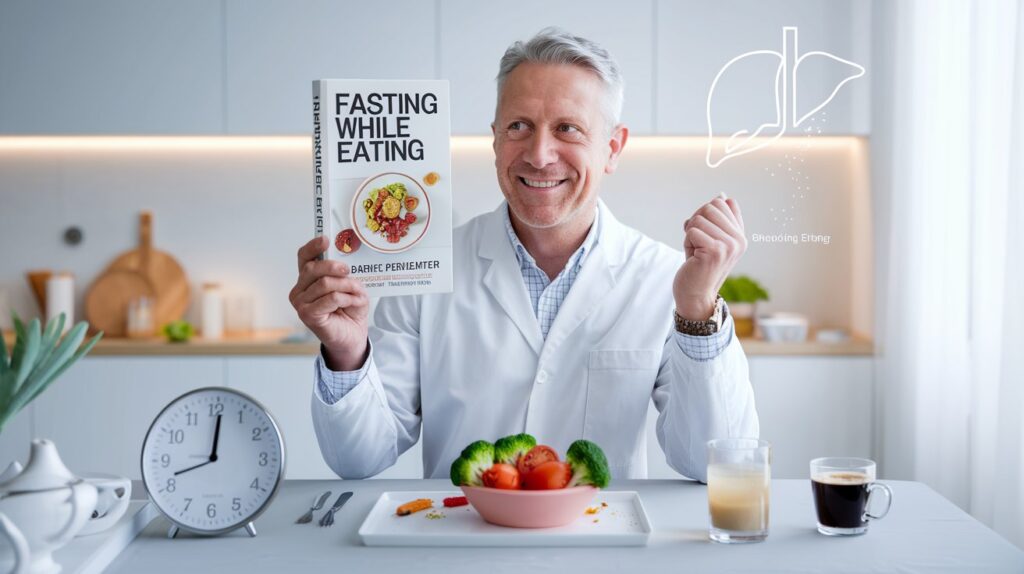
x=841, y=498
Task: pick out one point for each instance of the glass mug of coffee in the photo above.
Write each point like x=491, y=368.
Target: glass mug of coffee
x=843, y=489
x=739, y=489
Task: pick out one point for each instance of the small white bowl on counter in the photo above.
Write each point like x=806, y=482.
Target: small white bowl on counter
x=783, y=327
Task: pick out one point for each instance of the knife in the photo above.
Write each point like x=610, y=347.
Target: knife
x=328, y=519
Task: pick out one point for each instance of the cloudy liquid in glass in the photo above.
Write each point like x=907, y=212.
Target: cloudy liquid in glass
x=739, y=497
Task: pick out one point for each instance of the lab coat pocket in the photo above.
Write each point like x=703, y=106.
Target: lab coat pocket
x=619, y=387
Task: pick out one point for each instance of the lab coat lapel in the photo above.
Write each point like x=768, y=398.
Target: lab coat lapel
x=595, y=280
x=504, y=280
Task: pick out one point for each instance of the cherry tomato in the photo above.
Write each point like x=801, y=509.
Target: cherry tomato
x=535, y=457
x=549, y=475
x=502, y=476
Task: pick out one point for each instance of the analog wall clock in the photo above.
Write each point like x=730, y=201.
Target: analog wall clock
x=212, y=461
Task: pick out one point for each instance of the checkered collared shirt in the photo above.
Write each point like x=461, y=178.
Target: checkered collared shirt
x=547, y=295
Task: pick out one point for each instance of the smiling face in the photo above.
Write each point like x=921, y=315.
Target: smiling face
x=552, y=144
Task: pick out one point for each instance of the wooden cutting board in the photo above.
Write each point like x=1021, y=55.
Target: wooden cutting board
x=141, y=271
x=106, y=303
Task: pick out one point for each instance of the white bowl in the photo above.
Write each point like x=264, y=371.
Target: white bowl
x=783, y=327
x=530, y=508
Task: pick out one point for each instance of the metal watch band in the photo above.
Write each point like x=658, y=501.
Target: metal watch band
x=701, y=328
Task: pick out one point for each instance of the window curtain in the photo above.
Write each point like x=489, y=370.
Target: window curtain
x=947, y=157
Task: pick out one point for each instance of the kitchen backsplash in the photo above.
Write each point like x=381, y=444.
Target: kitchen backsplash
x=235, y=210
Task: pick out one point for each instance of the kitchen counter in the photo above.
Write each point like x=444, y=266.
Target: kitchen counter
x=923, y=533
x=268, y=342
x=855, y=346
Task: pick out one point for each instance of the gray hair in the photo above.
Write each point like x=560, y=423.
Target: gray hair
x=554, y=45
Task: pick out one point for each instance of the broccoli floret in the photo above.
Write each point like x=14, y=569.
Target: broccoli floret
x=480, y=451
x=468, y=468
x=508, y=449
x=589, y=465
x=462, y=474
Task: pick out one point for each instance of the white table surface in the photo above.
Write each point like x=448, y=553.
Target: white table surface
x=923, y=533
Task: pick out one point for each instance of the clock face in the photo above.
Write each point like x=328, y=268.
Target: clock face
x=212, y=460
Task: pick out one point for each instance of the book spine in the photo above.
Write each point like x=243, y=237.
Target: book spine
x=320, y=198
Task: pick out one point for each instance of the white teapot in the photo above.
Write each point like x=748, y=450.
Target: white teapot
x=42, y=508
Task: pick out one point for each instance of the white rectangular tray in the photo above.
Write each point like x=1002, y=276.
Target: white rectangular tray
x=93, y=553
x=623, y=522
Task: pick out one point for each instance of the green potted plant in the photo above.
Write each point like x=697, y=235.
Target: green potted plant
x=742, y=294
x=37, y=358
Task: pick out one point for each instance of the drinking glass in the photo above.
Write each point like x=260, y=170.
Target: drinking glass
x=739, y=489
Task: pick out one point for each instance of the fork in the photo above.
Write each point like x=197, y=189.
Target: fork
x=328, y=519
x=317, y=505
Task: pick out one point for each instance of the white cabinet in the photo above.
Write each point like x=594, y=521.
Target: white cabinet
x=808, y=407
x=812, y=407
x=105, y=67
x=100, y=409
x=98, y=412
x=274, y=51
x=696, y=39
x=474, y=35
x=284, y=386
x=245, y=67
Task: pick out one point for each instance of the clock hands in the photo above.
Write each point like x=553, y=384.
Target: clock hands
x=213, y=450
x=184, y=470
x=216, y=437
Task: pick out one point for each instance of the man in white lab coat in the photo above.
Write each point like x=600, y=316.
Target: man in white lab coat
x=563, y=322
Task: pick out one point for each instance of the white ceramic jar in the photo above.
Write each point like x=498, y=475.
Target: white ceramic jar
x=212, y=324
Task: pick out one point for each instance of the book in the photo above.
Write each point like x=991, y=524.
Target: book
x=382, y=181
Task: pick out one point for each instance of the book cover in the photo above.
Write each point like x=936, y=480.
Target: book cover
x=382, y=181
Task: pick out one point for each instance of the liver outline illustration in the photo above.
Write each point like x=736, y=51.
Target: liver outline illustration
x=787, y=111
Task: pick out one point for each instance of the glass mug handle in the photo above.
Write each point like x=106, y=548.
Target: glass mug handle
x=888, y=501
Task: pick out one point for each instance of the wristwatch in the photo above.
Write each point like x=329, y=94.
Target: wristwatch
x=702, y=328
